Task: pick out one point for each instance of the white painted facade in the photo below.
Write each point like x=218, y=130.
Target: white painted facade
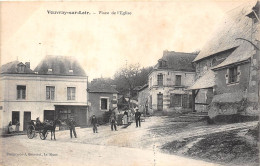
x=35, y=100
x=169, y=87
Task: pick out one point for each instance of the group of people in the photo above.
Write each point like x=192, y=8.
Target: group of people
x=10, y=126
x=72, y=124
x=113, y=121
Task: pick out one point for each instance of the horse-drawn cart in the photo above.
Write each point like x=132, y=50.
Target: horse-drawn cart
x=34, y=128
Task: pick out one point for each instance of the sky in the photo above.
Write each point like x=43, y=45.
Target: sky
x=102, y=43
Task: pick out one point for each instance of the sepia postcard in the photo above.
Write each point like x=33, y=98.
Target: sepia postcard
x=129, y=83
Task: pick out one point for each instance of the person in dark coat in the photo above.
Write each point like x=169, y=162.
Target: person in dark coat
x=10, y=128
x=113, y=121
x=138, y=118
x=72, y=125
x=94, y=123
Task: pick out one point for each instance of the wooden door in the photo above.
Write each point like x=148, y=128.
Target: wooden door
x=26, y=119
x=159, y=102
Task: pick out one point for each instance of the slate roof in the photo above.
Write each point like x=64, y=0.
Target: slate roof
x=12, y=68
x=143, y=87
x=206, y=81
x=242, y=53
x=60, y=65
x=235, y=25
x=178, y=61
x=100, y=87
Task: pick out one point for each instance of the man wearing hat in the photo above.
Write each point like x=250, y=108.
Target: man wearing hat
x=94, y=123
x=137, y=118
x=72, y=125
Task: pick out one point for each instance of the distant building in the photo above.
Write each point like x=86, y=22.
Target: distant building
x=227, y=68
x=102, y=98
x=169, y=80
x=55, y=89
x=143, y=96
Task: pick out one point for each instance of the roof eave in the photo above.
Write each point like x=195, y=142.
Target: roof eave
x=231, y=64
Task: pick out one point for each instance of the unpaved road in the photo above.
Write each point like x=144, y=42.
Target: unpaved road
x=127, y=146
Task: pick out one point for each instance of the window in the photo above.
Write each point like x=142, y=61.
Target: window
x=15, y=117
x=214, y=62
x=175, y=100
x=21, y=91
x=104, y=103
x=160, y=79
x=184, y=101
x=232, y=75
x=178, y=80
x=160, y=64
x=50, y=92
x=21, y=68
x=71, y=92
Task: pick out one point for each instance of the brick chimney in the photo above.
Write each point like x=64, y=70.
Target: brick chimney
x=27, y=64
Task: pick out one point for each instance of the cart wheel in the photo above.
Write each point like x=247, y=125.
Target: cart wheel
x=43, y=134
x=31, y=132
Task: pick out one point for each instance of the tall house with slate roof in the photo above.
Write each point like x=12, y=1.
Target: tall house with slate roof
x=227, y=68
x=168, y=82
x=56, y=88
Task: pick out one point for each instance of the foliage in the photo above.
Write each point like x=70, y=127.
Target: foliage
x=128, y=78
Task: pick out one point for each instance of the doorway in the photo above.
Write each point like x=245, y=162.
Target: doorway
x=160, y=102
x=26, y=120
x=49, y=115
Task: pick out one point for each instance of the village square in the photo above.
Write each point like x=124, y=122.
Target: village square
x=188, y=108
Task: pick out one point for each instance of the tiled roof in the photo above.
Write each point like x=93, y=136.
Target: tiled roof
x=100, y=87
x=235, y=25
x=60, y=65
x=178, y=61
x=12, y=68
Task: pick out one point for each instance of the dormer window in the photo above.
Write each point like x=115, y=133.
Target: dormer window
x=21, y=68
x=254, y=13
x=162, y=63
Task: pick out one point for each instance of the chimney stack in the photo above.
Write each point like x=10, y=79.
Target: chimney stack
x=27, y=64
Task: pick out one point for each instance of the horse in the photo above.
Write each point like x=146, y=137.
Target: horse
x=50, y=126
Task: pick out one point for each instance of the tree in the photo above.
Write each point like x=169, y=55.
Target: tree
x=130, y=77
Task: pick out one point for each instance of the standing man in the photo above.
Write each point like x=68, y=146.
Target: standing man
x=94, y=123
x=72, y=124
x=113, y=121
x=137, y=118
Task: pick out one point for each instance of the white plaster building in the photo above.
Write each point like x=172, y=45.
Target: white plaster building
x=55, y=89
x=168, y=82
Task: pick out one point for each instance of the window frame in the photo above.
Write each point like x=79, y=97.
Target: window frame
x=51, y=97
x=20, y=93
x=107, y=104
x=70, y=93
x=160, y=80
x=173, y=102
x=177, y=83
x=233, y=75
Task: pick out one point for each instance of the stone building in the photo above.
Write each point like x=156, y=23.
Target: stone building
x=169, y=80
x=143, y=96
x=227, y=68
x=55, y=89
